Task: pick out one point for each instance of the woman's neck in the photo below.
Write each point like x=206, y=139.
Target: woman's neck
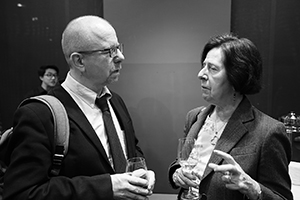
x=224, y=112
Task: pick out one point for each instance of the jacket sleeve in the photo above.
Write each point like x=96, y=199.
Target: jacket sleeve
x=273, y=167
x=30, y=151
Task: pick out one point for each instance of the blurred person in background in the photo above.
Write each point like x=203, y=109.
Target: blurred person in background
x=48, y=74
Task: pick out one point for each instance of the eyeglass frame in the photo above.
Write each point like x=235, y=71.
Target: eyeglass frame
x=51, y=75
x=111, y=51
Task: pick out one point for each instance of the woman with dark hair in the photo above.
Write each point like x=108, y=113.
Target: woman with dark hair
x=241, y=152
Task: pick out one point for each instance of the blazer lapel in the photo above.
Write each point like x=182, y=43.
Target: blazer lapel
x=233, y=132
x=124, y=119
x=195, y=128
x=76, y=115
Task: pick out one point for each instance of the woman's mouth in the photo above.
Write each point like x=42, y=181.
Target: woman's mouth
x=204, y=88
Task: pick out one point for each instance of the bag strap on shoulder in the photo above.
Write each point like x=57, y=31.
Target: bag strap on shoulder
x=61, y=129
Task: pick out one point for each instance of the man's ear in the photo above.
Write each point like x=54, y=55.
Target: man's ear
x=77, y=60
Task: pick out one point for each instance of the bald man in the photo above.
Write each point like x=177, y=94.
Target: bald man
x=89, y=170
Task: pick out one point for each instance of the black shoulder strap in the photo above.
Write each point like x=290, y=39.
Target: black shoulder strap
x=61, y=128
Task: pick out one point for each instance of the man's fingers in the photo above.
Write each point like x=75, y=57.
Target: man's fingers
x=151, y=179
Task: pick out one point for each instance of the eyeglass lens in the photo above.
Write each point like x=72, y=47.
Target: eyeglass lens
x=114, y=50
x=51, y=75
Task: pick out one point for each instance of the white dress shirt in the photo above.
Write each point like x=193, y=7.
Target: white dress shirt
x=85, y=99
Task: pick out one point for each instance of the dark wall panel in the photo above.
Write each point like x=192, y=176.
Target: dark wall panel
x=30, y=37
x=274, y=26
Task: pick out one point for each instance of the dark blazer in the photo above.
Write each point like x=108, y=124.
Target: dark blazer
x=85, y=172
x=36, y=91
x=257, y=142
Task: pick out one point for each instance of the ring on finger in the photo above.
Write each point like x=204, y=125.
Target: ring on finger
x=175, y=177
x=227, y=173
x=228, y=176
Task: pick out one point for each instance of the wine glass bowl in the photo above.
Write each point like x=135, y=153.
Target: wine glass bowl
x=188, y=163
x=135, y=163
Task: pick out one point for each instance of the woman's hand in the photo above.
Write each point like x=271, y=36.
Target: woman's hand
x=185, y=179
x=235, y=178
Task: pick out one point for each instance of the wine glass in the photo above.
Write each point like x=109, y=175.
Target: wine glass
x=135, y=163
x=187, y=162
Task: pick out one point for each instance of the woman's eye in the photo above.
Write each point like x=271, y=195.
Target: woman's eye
x=212, y=68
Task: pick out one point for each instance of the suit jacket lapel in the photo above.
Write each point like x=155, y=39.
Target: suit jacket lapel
x=76, y=115
x=195, y=127
x=123, y=118
x=233, y=132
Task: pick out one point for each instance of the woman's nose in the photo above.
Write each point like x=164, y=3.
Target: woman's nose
x=202, y=74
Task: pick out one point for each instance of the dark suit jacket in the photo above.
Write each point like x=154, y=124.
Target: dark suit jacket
x=85, y=172
x=258, y=144
x=35, y=92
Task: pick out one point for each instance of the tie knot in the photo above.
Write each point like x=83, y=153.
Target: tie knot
x=102, y=103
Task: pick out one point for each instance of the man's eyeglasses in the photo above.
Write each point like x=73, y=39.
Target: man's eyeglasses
x=113, y=51
x=51, y=75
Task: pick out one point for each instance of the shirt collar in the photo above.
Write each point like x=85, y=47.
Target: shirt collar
x=84, y=93
x=105, y=91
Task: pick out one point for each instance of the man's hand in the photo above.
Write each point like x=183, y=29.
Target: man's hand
x=148, y=175
x=136, y=185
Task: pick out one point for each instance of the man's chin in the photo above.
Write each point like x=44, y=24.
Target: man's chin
x=113, y=79
x=206, y=97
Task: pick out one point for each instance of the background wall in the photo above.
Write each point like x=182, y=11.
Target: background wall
x=163, y=42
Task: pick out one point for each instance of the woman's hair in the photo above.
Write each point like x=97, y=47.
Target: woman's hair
x=242, y=62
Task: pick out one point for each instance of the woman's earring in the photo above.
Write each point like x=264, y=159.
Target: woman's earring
x=234, y=97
